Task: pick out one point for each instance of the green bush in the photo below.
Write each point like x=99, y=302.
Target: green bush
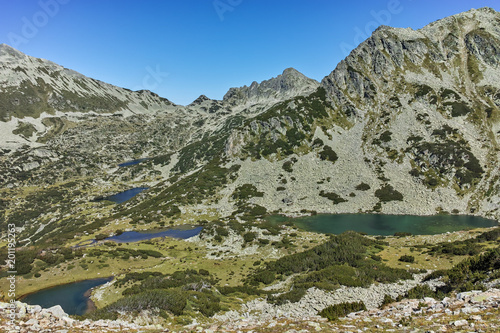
x=206, y=303
x=222, y=231
x=334, y=312
x=99, y=237
x=333, y=197
x=227, y=290
x=388, y=193
x=420, y=291
x=295, y=137
x=287, y=166
x=363, y=187
x=246, y=191
x=170, y=300
x=24, y=261
x=317, y=142
x=328, y=154
x=293, y=296
x=249, y=237
x=402, y=234
x=386, y=136
x=407, y=258
x=387, y=300
x=265, y=277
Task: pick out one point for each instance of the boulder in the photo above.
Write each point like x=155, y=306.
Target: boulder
x=57, y=311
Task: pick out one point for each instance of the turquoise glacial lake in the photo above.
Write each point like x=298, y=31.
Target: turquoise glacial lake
x=385, y=225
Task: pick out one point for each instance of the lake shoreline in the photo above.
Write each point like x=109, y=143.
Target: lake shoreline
x=90, y=304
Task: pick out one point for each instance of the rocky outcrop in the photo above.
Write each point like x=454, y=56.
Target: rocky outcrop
x=33, y=318
x=316, y=300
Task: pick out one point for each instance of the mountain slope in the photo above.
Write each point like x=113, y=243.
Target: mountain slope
x=40, y=99
x=411, y=114
x=30, y=86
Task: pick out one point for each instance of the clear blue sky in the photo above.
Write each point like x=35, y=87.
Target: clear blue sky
x=205, y=46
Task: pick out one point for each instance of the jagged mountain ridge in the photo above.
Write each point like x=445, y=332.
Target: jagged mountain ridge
x=33, y=89
x=442, y=46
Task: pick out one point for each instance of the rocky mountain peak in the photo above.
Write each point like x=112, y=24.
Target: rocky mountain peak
x=288, y=84
x=199, y=100
x=290, y=71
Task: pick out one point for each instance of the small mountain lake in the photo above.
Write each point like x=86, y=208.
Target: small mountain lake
x=136, y=236
x=133, y=162
x=385, y=225
x=74, y=298
x=125, y=195
x=181, y=232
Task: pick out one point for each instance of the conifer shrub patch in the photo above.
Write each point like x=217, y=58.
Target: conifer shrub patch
x=388, y=193
x=334, y=312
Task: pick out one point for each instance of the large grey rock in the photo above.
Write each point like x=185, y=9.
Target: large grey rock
x=57, y=311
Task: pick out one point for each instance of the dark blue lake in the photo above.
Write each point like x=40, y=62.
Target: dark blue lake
x=136, y=236
x=385, y=225
x=133, y=162
x=73, y=297
x=125, y=195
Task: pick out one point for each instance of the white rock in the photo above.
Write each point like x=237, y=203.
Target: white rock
x=57, y=311
x=461, y=322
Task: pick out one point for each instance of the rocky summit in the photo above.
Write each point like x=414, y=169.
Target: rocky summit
x=407, y=124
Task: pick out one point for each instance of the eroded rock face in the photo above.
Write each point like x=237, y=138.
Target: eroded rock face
x=448, y=52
